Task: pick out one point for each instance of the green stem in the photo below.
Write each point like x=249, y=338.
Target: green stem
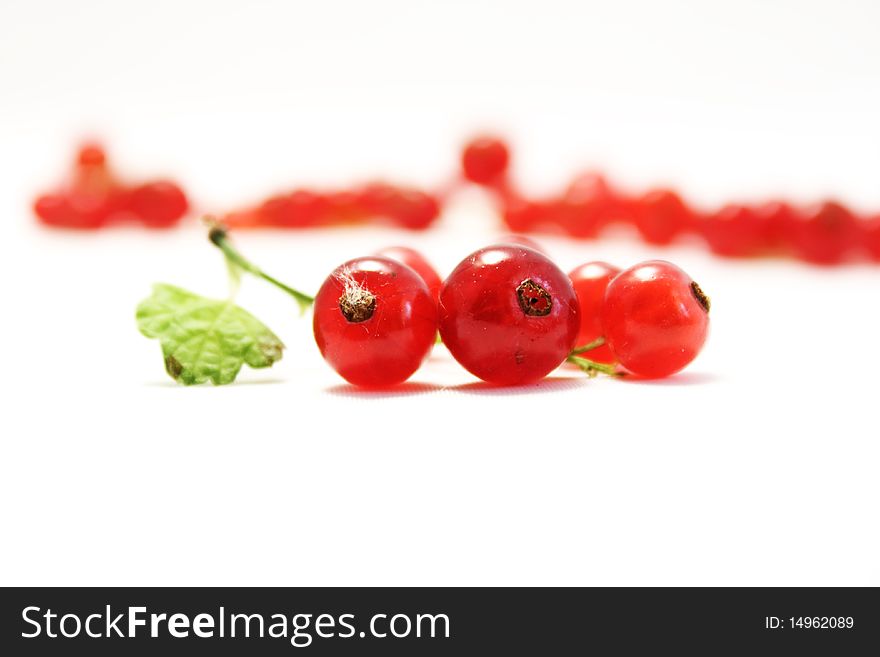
x=591, y=367
x=598, y=342
x=219, y=238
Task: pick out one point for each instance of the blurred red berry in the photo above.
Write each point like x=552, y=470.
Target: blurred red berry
x=871, y=237
x=587, y=206
x=91, y=155
x=376, y=198
x=484, y=160
x=828, y=234
x=276, y=211
x=94, y=197
x=733, y=231
x=71, y=211
x=307, y=208
x=521, y=215
x=413, y=209
x=52, y=209
x=661, y=215
x=776, y=220
x=343, y=206
x=244, y=219
x=158, y=204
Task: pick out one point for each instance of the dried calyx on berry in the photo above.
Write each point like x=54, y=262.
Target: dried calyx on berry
x=534, y=300
x=356, y=303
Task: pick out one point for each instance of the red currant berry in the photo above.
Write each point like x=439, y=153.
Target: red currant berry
x=93, y=183
x=508, y=314
x=88, y=211
x=660, y=216
x=521, y=215
x=159, y=204
x=733, y=231
x=521, y=240
x=344, y=207
x=376, y=198
x=871, y=237
x=484, y=160
x=54, y=210
x=655, y=318
x=250, y=218
x=276, y=211
x=375, y=321
x=76, y=211
x=418, y=262
x=412, y=209
x=827, y=235
x=777, y=221
x=590, y=281
x=306, y=208
x=587, y=206
x=298, y=209
x=91, y=155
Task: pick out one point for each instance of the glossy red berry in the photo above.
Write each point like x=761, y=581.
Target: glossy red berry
x=655, y=318
x=375, y=321
x=733, y=231
x=158, y=204
x=661, y=215
x=590, y=281
x=484, y=160
x=418, y=262
x=508, y=314
x=827, y=235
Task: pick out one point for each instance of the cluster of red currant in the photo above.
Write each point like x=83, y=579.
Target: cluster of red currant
x=827, y=233
x=94, y=197
x=508, y=315
x=302, y=208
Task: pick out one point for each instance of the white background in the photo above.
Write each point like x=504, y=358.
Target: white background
x=758, y=465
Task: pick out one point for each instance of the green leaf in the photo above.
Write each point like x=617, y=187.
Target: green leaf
x=205, y=339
